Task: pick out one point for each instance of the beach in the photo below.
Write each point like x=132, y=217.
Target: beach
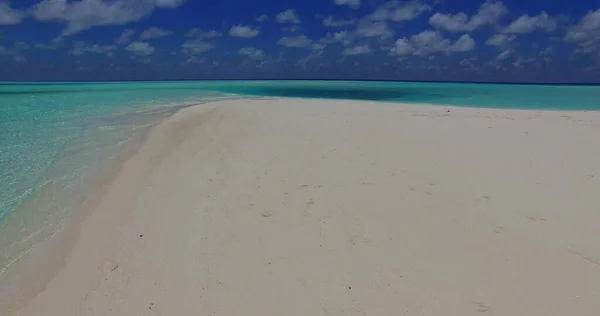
x=336, y=207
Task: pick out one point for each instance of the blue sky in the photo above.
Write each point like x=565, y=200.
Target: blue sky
x=520, y=41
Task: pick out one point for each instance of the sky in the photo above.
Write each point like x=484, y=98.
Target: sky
x=440, y=40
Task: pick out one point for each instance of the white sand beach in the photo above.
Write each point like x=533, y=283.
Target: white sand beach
x=322, y=207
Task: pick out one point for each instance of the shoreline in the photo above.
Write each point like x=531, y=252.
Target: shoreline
x=33, y=269
x=170, y=135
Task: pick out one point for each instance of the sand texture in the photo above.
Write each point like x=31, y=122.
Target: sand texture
x=316, y=207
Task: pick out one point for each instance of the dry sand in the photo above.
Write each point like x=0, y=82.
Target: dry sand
x=315, y=207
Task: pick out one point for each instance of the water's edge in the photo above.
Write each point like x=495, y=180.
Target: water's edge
x=28, y=274
x=25, y=277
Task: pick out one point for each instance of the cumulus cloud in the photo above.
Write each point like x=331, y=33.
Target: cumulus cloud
x=468, y=61
x=252, y=52
x=380, y=29
x=505, y=43
x=8, y=15
x=331, y=21
x=126, y=36
x=291, y=29
x=357, y=50
x=154, y=32
x=351, y=3
x=521, y=62
x=586, y=32
x=399, y=11
x=80, y=48
x=463, y=44
x=295, y=41
x=429, y=42
x=502, y=41
x=490, y=12
x=504, y=55
x=199, y=33
x=54, y=43
x=140, y=48
x=85, y=14
x=196, y=46
x=262, y=18
x=343, y=37
x=243, y=31
x=288, y=16
x=528, y=24
x=300, y=41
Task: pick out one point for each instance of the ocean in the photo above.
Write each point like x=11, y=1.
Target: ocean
x=56, y=136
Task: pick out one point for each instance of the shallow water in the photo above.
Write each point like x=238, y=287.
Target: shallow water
x=555, y=97
x=55, y=136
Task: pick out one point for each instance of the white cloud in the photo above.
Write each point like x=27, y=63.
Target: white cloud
x=357, y=50
x=468, y=61
x=520, y=62
x=586, y=32
x=243, y=31
x=140, y=48
x=490, y=12
x=291, y=29
x=429, y=42
x=399, y=11
x=379, y=29
x=317, y=47
x=463, y=44
x=194, y=60
x=80, y=48
x=168, y=3
x=198, y=33
x=343, y=37
x=351, y=3
x=331, y=21
x=126, y=36
x=196, y=46
x=53, y=44
x=154, y=32
x=85, y=14
x=504, y=55
x=528, y=24
x=301, y=41
x=8, y=15
x=502, y=41
x=252, y=52
x=262, y=18
x=288, y=16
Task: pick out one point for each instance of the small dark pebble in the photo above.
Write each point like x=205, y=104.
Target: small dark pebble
x=141, y=235
x=349, y=288
x=448, y=111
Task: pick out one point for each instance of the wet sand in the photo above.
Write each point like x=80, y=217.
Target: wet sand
x=322, y=207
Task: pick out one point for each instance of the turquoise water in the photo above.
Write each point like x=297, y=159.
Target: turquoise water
x=54, y=136
x=53, y=139
x=553, y=97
